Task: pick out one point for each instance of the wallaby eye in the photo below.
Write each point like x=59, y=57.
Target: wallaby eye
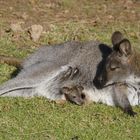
x=74, y=96
x=114, y=68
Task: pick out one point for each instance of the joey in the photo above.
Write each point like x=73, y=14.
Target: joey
x=74, y=94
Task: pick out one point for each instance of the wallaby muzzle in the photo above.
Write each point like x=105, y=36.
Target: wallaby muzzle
x=100, y=82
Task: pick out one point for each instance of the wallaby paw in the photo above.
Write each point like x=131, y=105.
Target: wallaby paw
x=74, y=72
x=71, y=72
x=130, y=112
x=67, y=73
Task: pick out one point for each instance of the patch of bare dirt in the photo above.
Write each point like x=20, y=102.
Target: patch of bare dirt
x=18, y=17
x=45, y=12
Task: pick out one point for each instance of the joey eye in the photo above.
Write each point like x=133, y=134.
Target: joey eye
x=83, y=96
x=74, y=96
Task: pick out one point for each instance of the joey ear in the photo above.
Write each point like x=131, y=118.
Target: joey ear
x=125, y=48
x=65, y=90
x=116, y=37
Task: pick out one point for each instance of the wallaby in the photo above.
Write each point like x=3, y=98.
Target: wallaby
x=75, y=54
x=37, y=69
x=38, y=72
x=95, y=61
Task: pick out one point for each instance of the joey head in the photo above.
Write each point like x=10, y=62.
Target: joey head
x=74, y=94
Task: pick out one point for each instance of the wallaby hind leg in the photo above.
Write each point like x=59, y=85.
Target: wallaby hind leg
x=121, y=98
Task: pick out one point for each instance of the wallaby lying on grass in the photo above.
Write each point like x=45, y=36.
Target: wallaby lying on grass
x=87, y=56
x=38, y=70
x=39, y=74
x=96, y=63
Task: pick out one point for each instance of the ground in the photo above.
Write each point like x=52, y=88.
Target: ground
x=64, y=20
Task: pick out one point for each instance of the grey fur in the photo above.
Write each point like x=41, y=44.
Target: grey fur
x=47, y=86
x=86, y=56
x=39, y=66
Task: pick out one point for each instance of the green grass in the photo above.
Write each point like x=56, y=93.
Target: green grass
x=40, y=119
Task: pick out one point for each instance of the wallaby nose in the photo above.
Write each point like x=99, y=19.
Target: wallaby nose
x=99, y=82
x=102, y=82
x=101, y=85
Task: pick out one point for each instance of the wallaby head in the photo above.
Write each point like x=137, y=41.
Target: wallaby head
x=118, y=63
x=74, y=94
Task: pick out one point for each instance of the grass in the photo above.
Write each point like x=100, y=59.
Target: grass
x=40, y=119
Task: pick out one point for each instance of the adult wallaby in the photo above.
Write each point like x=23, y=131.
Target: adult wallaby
x=42, y=70
x=44, y=74
x=88, y=57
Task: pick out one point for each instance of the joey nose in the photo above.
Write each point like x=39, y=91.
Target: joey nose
x=81, y=103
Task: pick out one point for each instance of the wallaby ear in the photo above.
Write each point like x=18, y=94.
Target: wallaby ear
x=65, y=90
x=124, y=47
x=116, y=37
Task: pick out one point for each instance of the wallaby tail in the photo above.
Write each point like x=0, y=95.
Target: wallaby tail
x=17, y=62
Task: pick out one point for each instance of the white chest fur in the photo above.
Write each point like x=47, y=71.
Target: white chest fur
x=106, y=95
x=49, y=88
